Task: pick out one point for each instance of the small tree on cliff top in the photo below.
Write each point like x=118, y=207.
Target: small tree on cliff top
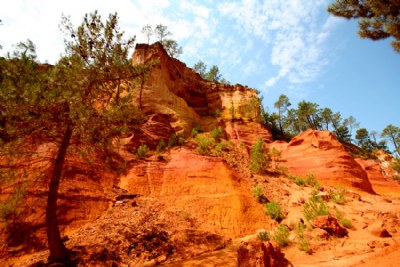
x=81, y=103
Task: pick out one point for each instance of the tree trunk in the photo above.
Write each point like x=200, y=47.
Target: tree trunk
x=58, y=252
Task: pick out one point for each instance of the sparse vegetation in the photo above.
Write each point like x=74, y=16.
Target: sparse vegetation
x=309, y=180
x=216, y=133
x=258, y=161
x=314, y=207
x=196, y=130
x=274, y=210
x=258, y=193
x=161, y=146
x=281, y=235
x=204, y=144
x=338, y=196
x=263, y=235
x=172, y=140
x=142, y=151
x=10, y=208
x=345, y=222
x=303, y=243
x=221, y=146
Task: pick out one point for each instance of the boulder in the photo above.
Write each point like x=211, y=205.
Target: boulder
x=256, y=253
x=329, y=224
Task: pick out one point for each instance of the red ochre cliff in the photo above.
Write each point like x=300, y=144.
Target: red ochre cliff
x=180, y=208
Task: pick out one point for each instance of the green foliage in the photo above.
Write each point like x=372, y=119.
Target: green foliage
x=258, y=161
x=281, y=235
x=216, y=133
x=378, y=19
x=345, y=222
x=180, y=139
x=217, y=113
x=338, y=196
x=263, y=235
x=10, y=208
x=312, y=181
x=314, y=207
x=196, y=130
x=204, y=144
x=161, y=146
x=172, y=140
x=222, y=146
x=142, y=151
x=392, y=134
x=212, y=75
x=303, y=243
x=274, y=210
x=258, y=193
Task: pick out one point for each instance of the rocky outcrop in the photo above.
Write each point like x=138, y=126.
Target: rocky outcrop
x=172, y=88
x=256, y=253
x=319, y=153
x=330, y=225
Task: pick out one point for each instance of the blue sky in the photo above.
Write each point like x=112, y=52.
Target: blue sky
x=292, y=47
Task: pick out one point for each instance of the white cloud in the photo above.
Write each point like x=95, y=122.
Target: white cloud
x=293, y=28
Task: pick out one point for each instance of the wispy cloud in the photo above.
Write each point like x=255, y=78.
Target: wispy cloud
x=292, y=28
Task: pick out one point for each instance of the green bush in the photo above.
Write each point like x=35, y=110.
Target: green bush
x=310, y=180
x=281, y=235
x=338, y=196
x=10, y=208
x=161, y=146
x=314, y=207
x=222, y=146
x=216, y=133
x=299, y=181
x=142, y=151
x=395, y=165
x=217, y=113
x=303, y=243
x=263, y=235
x=196, y=130
x=258, y=193
x=180, y=139
x=274, y=210
x=204, y=144
x=258, y=161
x=172, y=140
x=345, y=222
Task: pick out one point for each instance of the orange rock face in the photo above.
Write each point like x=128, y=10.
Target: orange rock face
x=202, y=187
x=319, y=153
x=172, y=88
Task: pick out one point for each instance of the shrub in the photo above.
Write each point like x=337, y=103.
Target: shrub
x=204, y=144
x=395, y=165
x=338, y=196
x=216, y=133
x=172, y=140
x=345, y=222
x=281, y=235
x=142, y=151
x=196, y=130
x=221, y=146
x=10, y=208
x=303, y=244
x=299, y=181
x=180, y=139
x=258, y=160
x=258, y=193
x=217, y=113
x=310, y=180
x=263, y=235
x=274, y=210
x=396, y=177
x=161, y=146
x=314, y=207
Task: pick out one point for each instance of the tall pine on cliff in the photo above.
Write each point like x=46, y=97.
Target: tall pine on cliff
x=83, y=101
x=379, y=19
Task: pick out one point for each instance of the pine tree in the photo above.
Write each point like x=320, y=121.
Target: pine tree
x=379, y=19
